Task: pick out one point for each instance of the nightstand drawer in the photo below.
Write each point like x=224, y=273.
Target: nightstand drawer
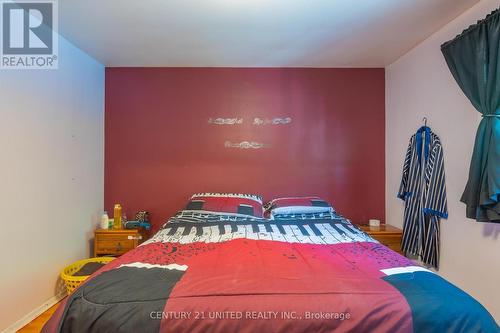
x=391, y=241
x=114, y=246
x=386, y=234
x=116, y=237
x=116, y=241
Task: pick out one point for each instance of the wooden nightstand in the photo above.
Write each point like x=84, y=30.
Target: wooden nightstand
x=116, y=242
x=386, y=234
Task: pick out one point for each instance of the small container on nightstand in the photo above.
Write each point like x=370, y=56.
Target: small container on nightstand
x=115, y=242
x=386, y=234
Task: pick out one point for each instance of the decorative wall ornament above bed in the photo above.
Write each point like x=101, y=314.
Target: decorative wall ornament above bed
x=274, y=121
x=246, y=145
x=225, y=121
x=256, y=121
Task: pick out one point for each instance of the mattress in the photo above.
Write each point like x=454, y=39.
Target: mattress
x=208, y=272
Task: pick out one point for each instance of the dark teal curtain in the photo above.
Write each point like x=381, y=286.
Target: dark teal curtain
x=473, y=59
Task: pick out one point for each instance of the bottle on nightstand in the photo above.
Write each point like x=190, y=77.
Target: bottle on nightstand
x=105, y=220
x=117, y=217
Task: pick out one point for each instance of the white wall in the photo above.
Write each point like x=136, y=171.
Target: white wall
x=419, y=84
x=51, y=175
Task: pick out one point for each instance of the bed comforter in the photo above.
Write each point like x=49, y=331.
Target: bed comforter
x=205, y=272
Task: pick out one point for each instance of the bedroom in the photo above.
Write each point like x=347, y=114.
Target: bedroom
x=141, y=107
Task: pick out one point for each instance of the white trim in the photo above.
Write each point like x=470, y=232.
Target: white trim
x=254, y=197
x=25, y=320
x=306, y=197
x=401, y=270
x=146, y=265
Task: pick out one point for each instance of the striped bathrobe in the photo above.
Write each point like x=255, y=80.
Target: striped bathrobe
x=423, y=189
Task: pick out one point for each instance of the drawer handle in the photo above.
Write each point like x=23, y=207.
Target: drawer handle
x=134, y=237
x=119, y=247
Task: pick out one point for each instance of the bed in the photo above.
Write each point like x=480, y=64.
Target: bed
x=315, y=272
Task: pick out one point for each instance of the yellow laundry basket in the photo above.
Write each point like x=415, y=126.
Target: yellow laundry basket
x=72, y=282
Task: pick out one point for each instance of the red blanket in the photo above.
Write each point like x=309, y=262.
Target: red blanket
x=249, y=279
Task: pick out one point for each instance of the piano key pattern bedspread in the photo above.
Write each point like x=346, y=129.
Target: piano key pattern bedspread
x=206, y=272
x=192, y=226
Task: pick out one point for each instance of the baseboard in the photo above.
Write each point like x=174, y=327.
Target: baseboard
x=33, y=314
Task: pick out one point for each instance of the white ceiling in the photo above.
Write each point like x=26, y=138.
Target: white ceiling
x=253, y=33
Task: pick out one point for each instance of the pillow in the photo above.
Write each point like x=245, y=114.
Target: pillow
x=306, y=216
x=244, y=204
x=298, y=205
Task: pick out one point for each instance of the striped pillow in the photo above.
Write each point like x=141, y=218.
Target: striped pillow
x=235, y=203
x=298, y=205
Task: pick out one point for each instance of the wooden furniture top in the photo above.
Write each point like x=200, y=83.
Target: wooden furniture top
x=117, y=231
x=382, y=229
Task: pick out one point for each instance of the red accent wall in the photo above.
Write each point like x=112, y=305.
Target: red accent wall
x=160, y=147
